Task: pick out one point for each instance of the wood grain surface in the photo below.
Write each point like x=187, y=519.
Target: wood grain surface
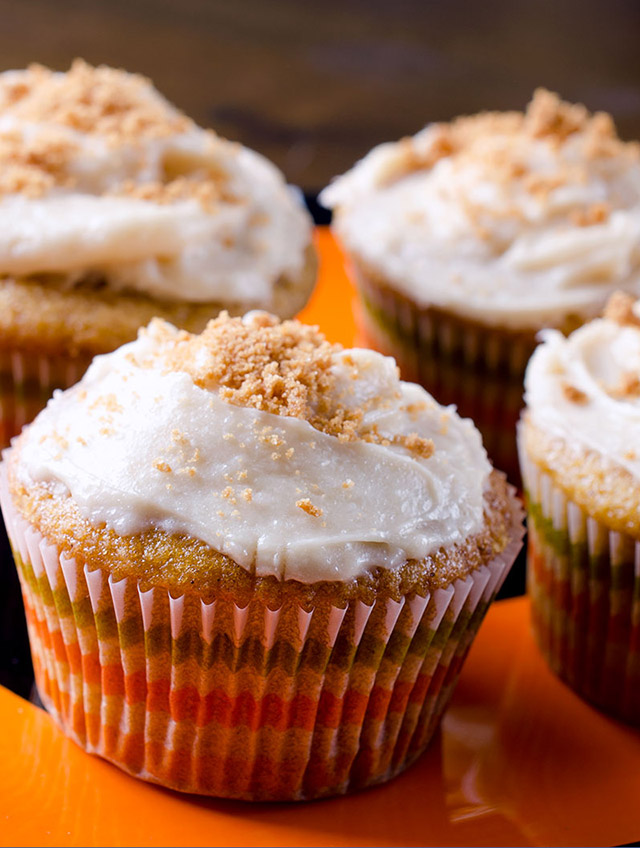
x=314, y=85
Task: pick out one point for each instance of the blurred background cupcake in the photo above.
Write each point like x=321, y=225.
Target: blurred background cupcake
x=114, y=208
x=581, y=472
x=469, y=237
x=263, y=559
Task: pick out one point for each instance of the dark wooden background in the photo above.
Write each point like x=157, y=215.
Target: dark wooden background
x=314, y=85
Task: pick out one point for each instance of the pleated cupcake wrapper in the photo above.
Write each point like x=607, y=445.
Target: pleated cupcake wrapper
x=27, y=381
x=584, y=583
x=248, y=703
x=480, y=369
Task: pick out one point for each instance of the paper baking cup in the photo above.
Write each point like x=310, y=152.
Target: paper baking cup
x=27, y=381
x=480, y=369
x=251, y=703
x=584, y=583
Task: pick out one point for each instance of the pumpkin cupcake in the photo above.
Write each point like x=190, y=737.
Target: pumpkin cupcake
x=581, y=472
x=469, y=237
x=115, y=208
x=252, y=561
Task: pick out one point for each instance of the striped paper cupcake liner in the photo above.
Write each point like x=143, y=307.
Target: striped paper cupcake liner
x=479, y=369
x=27, y=381
x=584, y=584
x=250, y=703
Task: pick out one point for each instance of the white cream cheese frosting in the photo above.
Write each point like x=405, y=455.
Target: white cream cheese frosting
x=585, y=389
x=101, y=177
x=140, y=443
x=513, y=220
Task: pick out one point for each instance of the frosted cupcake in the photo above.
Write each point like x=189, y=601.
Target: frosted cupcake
x=253, y=562
x=469, y=237
x=581, y=471
x=115, y=208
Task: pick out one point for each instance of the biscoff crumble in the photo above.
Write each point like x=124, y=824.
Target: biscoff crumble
x=573, y=394
x=120, y=108
x=619, y=308
x=498, y=143
x=283, y=368
x=628, y=386
x=206, y=191
x=96, y=101
x=33, y=165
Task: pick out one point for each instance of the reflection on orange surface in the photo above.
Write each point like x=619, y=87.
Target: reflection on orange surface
x=332, y=303
x=520, y=760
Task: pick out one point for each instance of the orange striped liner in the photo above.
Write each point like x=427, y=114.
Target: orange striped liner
x=584, y=584
x=247, y=703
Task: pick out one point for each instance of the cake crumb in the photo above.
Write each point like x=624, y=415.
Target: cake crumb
x=95, y=100
x=422, y=447
x=178, y=437
x=306, y=506
x=229, y=494
x=163, y=466
x=628, y=386
x=573, y=394
x=597, y=213
x=619, y=308
x=247, y=494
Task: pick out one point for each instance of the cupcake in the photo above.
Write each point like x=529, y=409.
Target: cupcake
x=252, y=561
x=581, y=472
x=469, y=237
x=115, y=208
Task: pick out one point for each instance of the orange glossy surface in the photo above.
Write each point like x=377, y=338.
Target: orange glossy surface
x=333, y=301
x=519, y=760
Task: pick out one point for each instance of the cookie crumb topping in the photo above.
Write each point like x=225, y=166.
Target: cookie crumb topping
x=52, y=111
x=96, y=101
x=628, y=386
x=283, y=368
x=573, y=394
x=619, y=308
x=597, y=213
x=498, y=142
x=306, y=506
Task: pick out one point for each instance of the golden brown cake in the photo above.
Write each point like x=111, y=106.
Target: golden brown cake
x=468, y=238
x=115, y=208
x=580, y=468
x=252, y=561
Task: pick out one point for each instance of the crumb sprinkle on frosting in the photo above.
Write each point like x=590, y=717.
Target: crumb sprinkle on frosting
x=283, y=368
x=97, y=101
x=119, y=108
x=547, y=118
x=573, y=394
x=620, y=309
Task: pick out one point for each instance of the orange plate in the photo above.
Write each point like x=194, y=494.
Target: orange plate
x=520, y=760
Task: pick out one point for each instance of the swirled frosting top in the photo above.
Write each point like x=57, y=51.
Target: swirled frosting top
x=102, y=178
x=585, y=388
x=518, y=220
x=293, y=456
